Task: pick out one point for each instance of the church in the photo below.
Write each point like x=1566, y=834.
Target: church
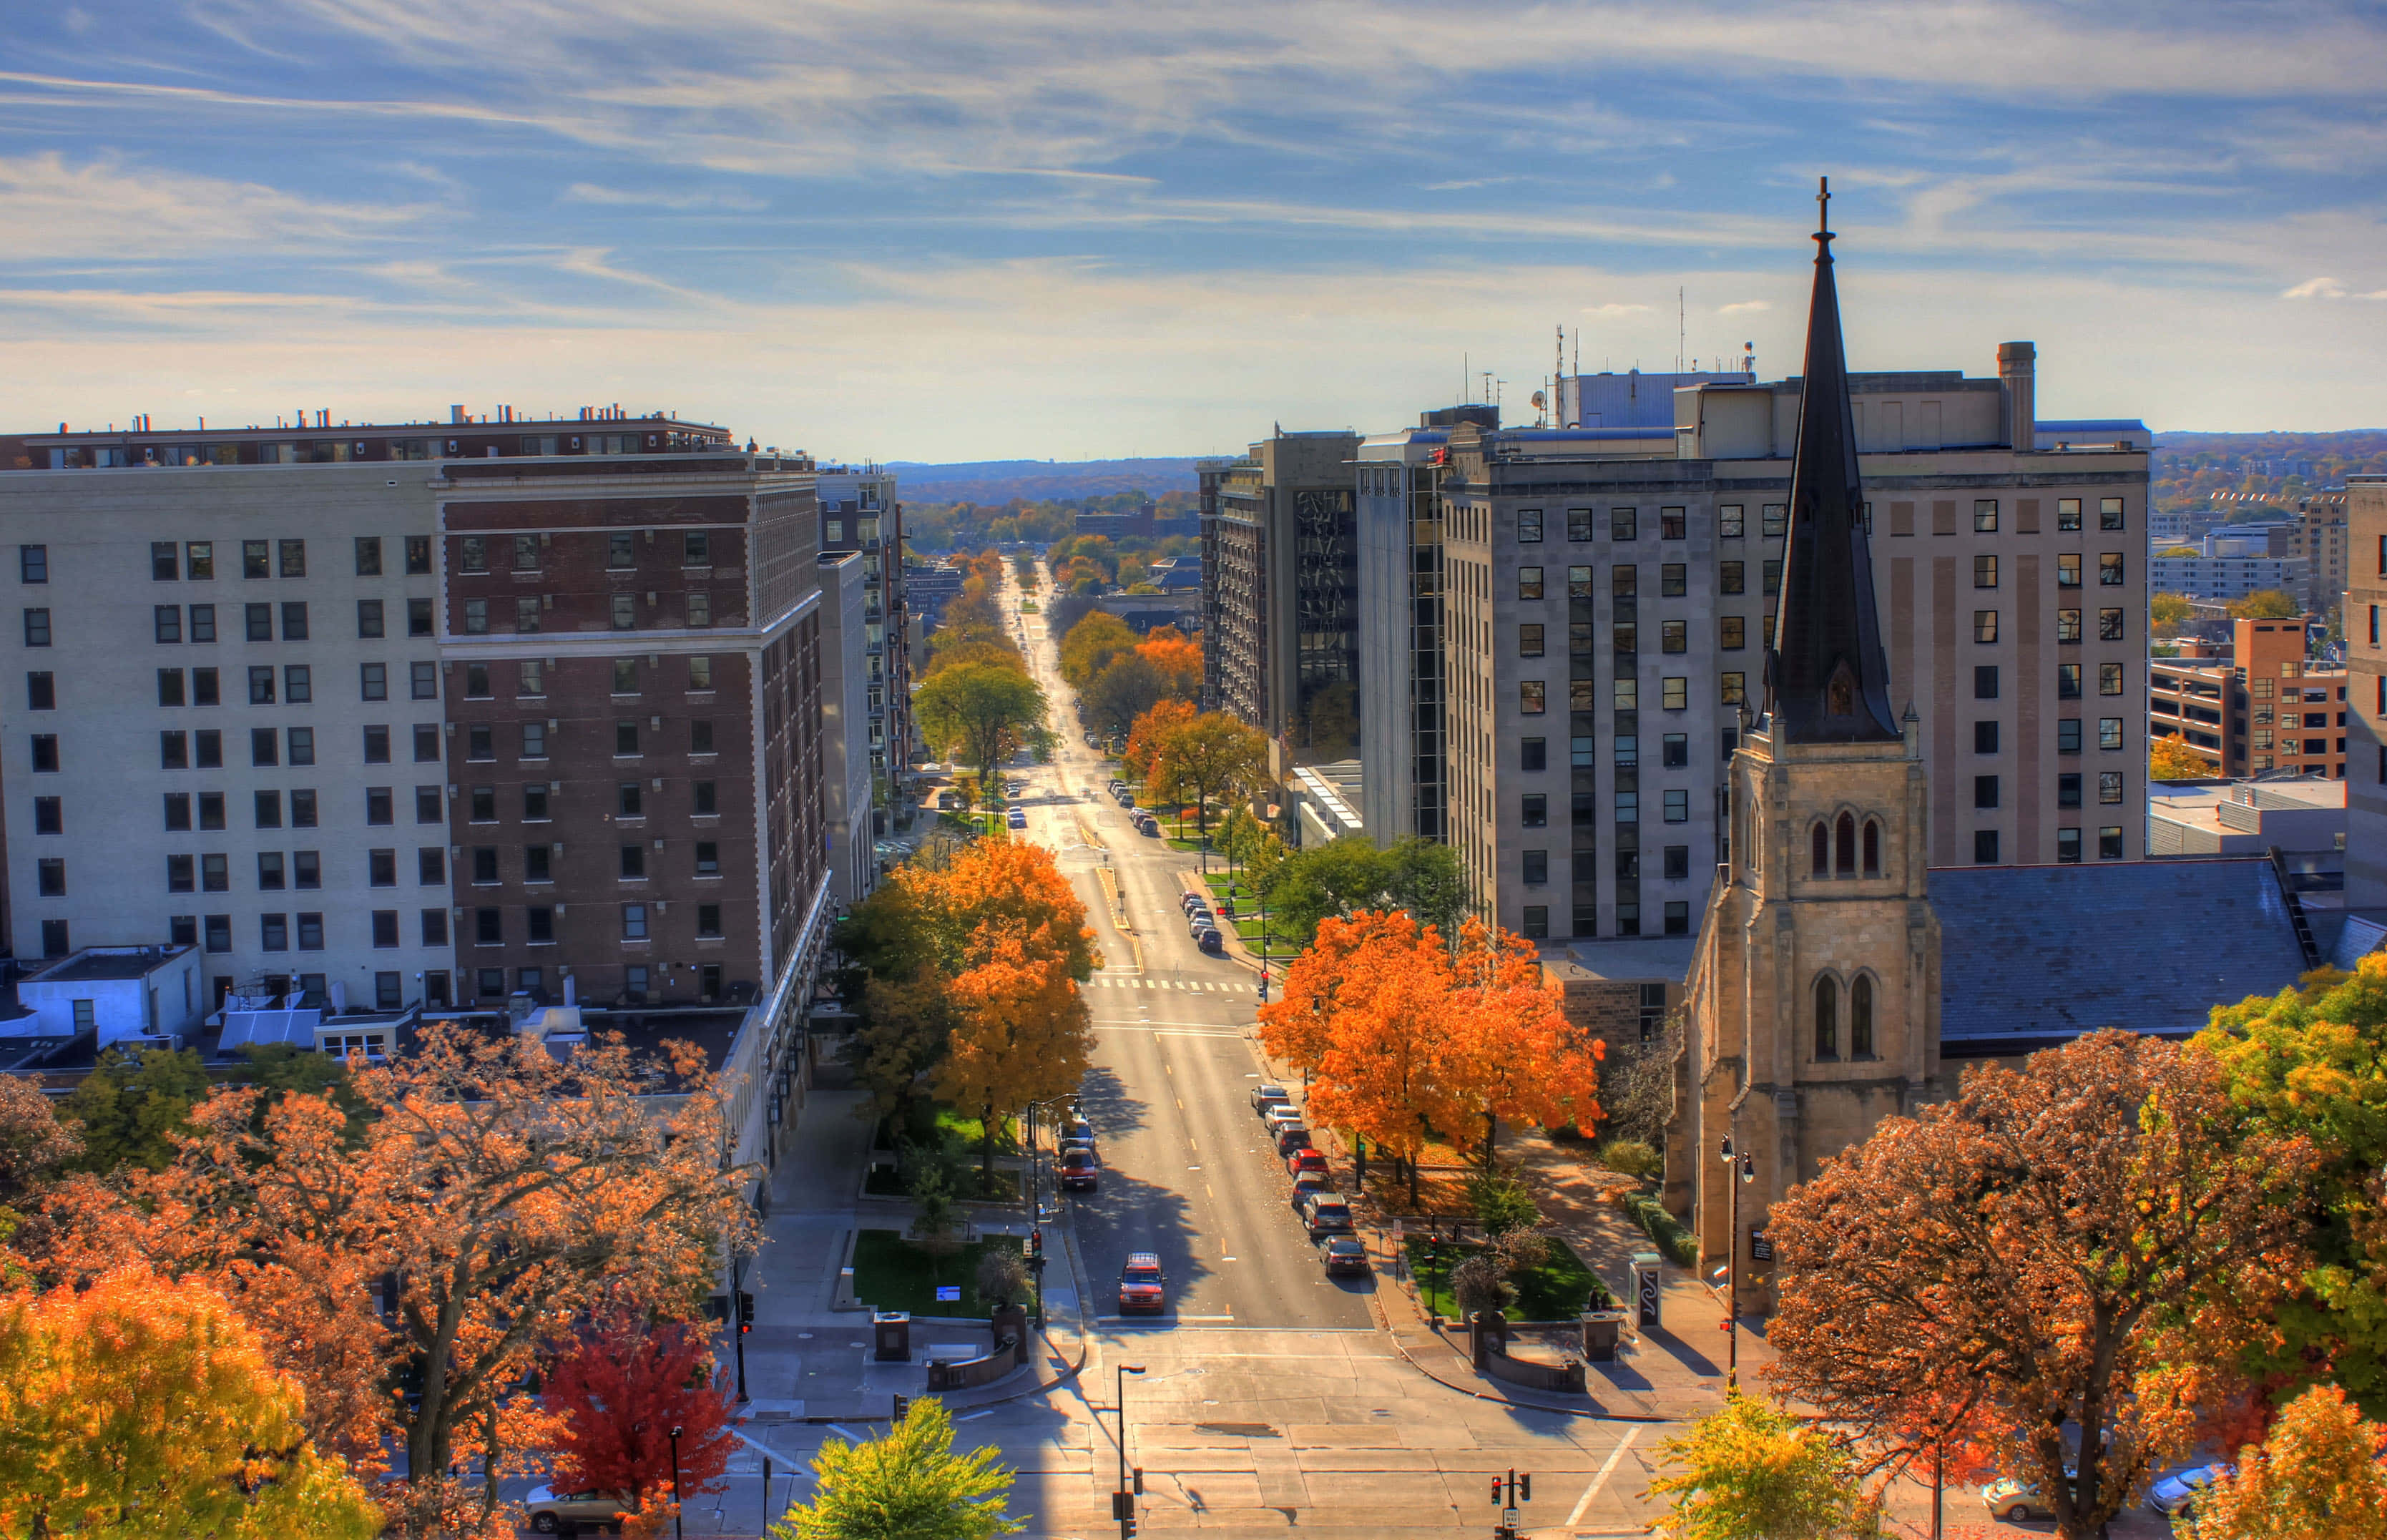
x=1837, y=980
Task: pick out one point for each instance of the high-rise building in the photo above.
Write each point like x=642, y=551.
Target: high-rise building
x=859, y=512
x=1279, y=595
x=1607, y=595
x=2366, y=597
x=580, y=660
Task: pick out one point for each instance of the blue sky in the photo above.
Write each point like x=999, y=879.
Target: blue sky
x=943, y=232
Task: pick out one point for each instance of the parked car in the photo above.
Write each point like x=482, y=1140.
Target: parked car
x=1078, y=1170
x=1127, y=799
x=2179, y=1492
x=1343, y=1254
x=1017, y=819
x=949, y=798
x=1200, y=922
x=1210, y=941
x=1307, y=1182
x=1292, y=1137
x=1148, y=824
x=1141, y=1287
x=1326, y=1213
x=553, y=1512
x=1305, y=1160
x=1278, y=1114
x=1266, y=1094
x=2011, y=1499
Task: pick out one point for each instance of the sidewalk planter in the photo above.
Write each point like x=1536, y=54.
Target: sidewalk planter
x=1489, y=1330
x=970, y=1373
x=891, y=1331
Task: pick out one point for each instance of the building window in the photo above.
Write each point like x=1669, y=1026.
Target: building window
x=1532, y=753
x=472, y=553
x=42, y=690
x=1774, y=518
x=483, y=810
x=45, y=753
x=294, y=558
x=264, y=745
x=1985, y=625
x=1985, y=847
x=1628, y=807
x=426, y=680
x=2109, y=842
x=2109, y=732
x=1529, y=526
x=1984, y=515
x=700, y=609
x=1872, y=848
x=50, y=877
x=2109, y=512
x=1537, y=810
x=373, y=681
x=1828, y=1018
x=1732, y=578
x=181, y=875
x=476, y=617
x=1844, y=845
x=1623, y=524
x=37, y=628
x=1674, y=580
x=2109, y=570
x=2068, y=681
x=2109, y=785
x=2068, y=735
x=1579, y=583
x=633, y=863
x=1578, y=524
x=1673, y=637
x=368, y=618
x=1533, y=696
x=431, y=865
x=1729, y=520
x=1770, y=574
x=1674, y=693
x=625, y=611
x=1529, y=640
x=2109, y=679
x=2109, y=626
x=1538, y=922
x=2067, y=789
x=708, y=921
x=274, y=932
x=2067, y=570
x=634, y=922
x=1733, y=689
x=480, y=741
x=1536, y=868
x=2067, y=847
x=1985, y=572
x=489, y=927
x=418, y=622
x=203, y=623
x=260, y=685
x=2067, y=513
x=540, y=925
x=1985, y=791
x=526, y=616
x=1672, y=524
x=378, y=804
x=1529, y=582
x=1860, y=1018
x=434, y=926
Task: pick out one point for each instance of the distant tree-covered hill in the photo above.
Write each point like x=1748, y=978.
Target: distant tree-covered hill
x=998, y=482
x=2244, y=473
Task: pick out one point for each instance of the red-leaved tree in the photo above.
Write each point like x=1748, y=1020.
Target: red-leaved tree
x=622, y=1384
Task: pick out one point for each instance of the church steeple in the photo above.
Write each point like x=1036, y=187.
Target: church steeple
x=1827, y=680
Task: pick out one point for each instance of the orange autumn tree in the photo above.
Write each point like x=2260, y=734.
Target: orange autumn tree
x=1007, y=935
x=1146, y=737
x=504, y=1192
x=1510, y=1053
x=1178, y=658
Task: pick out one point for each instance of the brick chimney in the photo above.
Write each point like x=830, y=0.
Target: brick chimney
x=2017, y=371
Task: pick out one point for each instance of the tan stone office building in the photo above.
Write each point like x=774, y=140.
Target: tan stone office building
x=2366, y=750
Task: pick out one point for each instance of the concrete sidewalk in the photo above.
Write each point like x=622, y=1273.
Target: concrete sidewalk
x=809, y=1357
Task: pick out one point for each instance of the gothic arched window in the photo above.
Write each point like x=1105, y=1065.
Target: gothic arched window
x=1860, y=1018
x=1821, y=841
x=1872, y=848
x=1845, y=846
x=1828, y=1018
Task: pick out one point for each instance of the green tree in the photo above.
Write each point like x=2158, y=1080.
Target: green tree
x=1128, y=685
x=979, y=712
x=1752, y=1471
x=905, y=1485
x=2316, y=1474
x=906, y=1024
x=2170, y=612
x=1424, y=877
x=1343, y=877
x=2313, y=1061
x=1088, y=647
x=1212, y=756
x=131, y=1105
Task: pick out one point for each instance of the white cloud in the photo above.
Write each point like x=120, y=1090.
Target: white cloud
x=1615, y=308
x=2315, y=289
x=584, y=192
x=1745, y=306
x=104, y=210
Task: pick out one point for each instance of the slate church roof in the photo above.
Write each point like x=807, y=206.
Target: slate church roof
x=2030, y=956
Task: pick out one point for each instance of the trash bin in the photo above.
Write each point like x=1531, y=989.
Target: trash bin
x=1601, y=1329
x=893, y=1329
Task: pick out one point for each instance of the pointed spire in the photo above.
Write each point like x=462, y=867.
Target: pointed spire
x=1827, y=680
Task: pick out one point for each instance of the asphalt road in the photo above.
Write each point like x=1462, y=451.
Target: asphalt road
x=1187, y=1170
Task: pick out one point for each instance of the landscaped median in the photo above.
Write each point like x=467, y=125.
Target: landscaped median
x=1559, y=1288
x=891, y=1273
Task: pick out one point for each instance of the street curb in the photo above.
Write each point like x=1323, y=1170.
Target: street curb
x=1384, y=1324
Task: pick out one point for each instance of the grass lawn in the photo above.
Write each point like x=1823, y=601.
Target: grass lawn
x=891, y=1273
x=1560, y=1289
x=886, y=1182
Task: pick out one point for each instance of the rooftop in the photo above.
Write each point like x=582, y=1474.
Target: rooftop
x=2032, y=955
x=99, y=964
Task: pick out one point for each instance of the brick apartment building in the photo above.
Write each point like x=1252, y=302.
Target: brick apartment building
x=2266, y=707
x=2366, y=656
x=420, y=714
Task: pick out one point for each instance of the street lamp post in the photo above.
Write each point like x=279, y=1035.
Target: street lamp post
x=1125, y=1500
x=738, y=1325
x=1744, y=1168
x=680, y=1523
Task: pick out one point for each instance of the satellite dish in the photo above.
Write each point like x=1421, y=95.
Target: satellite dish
x=1540, y=400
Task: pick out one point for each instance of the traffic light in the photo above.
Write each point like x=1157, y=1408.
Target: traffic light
x=1138, y=1480
x=902, y=1405
x=745, y=1312
x=1525, y=1487
x=1499, y=1487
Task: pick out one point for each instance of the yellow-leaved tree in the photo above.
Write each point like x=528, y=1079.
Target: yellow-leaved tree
x=142, y=1406
x=2316, y=1474
x=2171, y=759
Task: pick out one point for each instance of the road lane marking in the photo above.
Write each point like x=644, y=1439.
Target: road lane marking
x=1601, y=1480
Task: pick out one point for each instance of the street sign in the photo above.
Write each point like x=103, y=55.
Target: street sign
x=949, y=1294
x=1760, y=1245
x=1511, y=1517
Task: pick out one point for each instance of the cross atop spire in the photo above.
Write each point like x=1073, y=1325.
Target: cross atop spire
x=1827, y=680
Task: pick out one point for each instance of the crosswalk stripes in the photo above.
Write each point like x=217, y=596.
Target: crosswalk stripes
x=1192, y=986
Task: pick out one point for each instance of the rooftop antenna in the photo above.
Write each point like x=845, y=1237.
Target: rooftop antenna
x=1682, y=330
x=1466, y=372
